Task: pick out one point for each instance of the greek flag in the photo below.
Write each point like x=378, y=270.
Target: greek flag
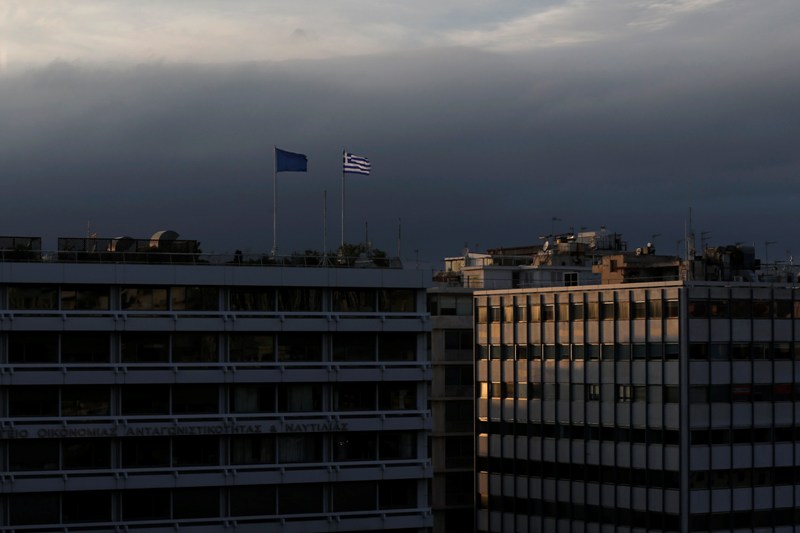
x=355, y=164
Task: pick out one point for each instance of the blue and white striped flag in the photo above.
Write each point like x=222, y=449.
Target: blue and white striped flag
x=355, y=164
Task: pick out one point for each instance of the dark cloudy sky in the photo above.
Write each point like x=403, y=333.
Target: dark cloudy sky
x=484, y=120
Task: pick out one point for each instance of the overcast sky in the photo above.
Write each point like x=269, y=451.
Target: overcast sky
x=484, y=120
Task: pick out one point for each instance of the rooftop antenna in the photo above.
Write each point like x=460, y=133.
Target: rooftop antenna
x=766, y=251
x=553, y=226
x=704, y=239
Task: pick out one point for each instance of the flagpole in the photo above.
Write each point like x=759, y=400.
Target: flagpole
x=274, y=201
x=342, y=243
x=324, y=225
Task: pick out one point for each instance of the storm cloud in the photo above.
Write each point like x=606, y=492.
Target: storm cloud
x=468, y=146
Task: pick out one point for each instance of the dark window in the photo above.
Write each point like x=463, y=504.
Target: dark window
x=148, y=504
x=245, y=347
x=300, y=499
x=195, y=399
x=145, y=348
x=397, y=494
x=252, y=299
x=39, y=347
x=353, y=300
x=297, y=299
x=354, y=446
x=85, y=348
x=252, y=399
x=259, y=449
x=85, y=400
x=144, y=299
x=86, y=453
x=397, y=347
x=194, y=347
x=355, y=496
x=299, y=398
x=354, y=396
x=195, y=298
x=86, y=506
x=398, y=445
x=85, y=298
x=200, y=502
x=145, y=399
x=397, y=396
x=397, y=300
x=354, y=347
x=195, y=451
x=252, y=500
x=145, y=452
x=36, y=454
x=300, y=448
x=34, y=298
x=34, y=508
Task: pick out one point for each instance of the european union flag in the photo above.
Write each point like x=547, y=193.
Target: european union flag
x=290, y=162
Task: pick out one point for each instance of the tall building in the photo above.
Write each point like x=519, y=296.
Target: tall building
x=640, y=406
x=144, y=387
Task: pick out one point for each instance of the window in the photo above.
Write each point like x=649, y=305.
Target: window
x=355, y=446
x=563, y=312
x=300, y=347
x=252, y=347
x=354, y=396
x=145, y=348
x=257, y=398
x=299, y=398
x=145, y=452
x=458, y=380
x=195, y=399
x=299, y=299
x=86, y=506
x=300, y=448
x=37, y=454
x=258, y=449
x=397, y=347
x=671, y=309
x=252, y=299
x=85, y=401
x=397, y=494
x=195, y=298
x=34, y=508
x=577, y=311
x=145, y=504
x=397, y=396
x=639, y=310
x=355, y=496
x=195, y=451
x=85, y=298
x=354, y=347
x=593, y=392
x=194, y=347
x=624, y=393
x=85, y=348
x=201, y=502
x=402, y=301
x=353, y=300
x=248, y=500
x=34, y=298
x=144, y=299
x=39, y=347
x=399, y=445
x=593, y=310
x=570, y=279
x=86, y=453
x=607, y=310
x=300, y=499
x=145, y=399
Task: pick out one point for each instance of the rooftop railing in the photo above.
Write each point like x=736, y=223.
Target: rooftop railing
x=125, y=250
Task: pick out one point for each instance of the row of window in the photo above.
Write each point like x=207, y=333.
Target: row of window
x=209, y=502
x=179, y=452
x=744, y=351
x=580, y=352
x=743, y=309
x=745, y=392
x=579, y=392
x=745, y=435
x=202, y=298
x=531, y=507
x=618, y=475
x=577, y=311
x=581, y=432
x=162, y=347
x=133, y=400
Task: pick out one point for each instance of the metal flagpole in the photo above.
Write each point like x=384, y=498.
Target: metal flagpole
x=344, y=152
x=274, y=200
x=324, y=224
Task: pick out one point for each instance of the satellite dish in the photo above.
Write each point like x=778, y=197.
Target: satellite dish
x=545, y=246
x=162, y=237
x=121, y=244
